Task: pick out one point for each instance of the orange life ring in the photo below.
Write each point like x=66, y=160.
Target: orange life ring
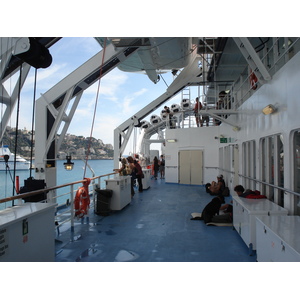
x=253, y=80
x=82, y=199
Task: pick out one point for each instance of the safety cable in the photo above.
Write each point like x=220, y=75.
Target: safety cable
x=32, y=122
x=16, y=136
x=95, y=109
x=163, y=80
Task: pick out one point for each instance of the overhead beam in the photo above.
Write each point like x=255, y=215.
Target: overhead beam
x=52, y=106
x=10, y=101
x=188, y=74
x=252, y=58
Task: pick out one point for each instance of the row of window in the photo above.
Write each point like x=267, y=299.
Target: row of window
x=263, y=166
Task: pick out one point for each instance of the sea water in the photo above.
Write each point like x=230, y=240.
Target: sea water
x=99, y=167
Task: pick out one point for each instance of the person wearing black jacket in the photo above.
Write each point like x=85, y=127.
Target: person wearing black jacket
x=139, y=175
x=212, y=209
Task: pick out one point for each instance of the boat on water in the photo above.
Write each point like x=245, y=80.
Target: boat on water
x=7, y=160
x=248, y=130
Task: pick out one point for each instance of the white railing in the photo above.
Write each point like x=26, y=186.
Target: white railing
x=65, y=212
x=273, y=60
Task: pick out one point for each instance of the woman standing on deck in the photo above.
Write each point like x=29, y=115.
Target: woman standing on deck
x=155, y=167
x=162, y=167
x=139, y=174
x=133, y=173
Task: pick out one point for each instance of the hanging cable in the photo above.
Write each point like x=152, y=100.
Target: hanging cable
x=95, y=109
x=32, y=122
x=164, y=80
x=17, y=129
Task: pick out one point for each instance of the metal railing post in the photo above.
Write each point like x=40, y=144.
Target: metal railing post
x=72, y=210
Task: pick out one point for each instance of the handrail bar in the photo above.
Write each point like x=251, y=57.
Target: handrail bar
x=271, y=185
x=262, y=182
x=49, y=189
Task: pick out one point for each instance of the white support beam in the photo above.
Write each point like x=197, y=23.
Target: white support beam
x=252, y=58
x=67, y=120
x=218, y=117
x=11, y=46
x=58, y=119
x=57, y=99
x=10, y=101
x=155, y=141
x=188, y=74
x=126, y=138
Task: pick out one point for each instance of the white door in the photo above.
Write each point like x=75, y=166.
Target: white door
x=191, y=167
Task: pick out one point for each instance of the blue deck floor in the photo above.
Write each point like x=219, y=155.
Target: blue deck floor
x=154, y=227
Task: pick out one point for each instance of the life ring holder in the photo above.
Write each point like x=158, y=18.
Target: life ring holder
x=82, y=199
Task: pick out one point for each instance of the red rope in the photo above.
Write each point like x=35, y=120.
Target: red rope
x=95, y=109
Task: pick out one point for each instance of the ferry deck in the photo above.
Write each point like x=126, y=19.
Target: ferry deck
x=155, y=227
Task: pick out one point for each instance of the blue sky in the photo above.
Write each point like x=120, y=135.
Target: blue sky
x=122, y=94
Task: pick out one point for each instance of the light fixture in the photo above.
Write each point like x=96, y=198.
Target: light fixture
x=269, y=109
x=68, y=165
x=172, y=141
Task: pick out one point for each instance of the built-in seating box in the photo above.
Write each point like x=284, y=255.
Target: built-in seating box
x=245, y=212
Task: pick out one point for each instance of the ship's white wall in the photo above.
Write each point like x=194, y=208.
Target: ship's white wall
x=206, y=139
x=283, y=91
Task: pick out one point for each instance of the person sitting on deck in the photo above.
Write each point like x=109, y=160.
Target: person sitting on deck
x=212, y=209
x=216, y=188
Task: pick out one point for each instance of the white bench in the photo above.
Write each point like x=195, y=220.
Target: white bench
x=245, y=212
x=277, y=238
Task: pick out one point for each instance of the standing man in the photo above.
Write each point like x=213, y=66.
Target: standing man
x=162, y=167
x=197, y=107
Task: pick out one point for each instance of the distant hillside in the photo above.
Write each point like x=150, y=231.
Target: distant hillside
x=77, y=146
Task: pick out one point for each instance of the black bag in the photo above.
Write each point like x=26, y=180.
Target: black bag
x=102, y=204
x=30, y=185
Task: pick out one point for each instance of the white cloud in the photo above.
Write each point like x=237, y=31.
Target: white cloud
x=111, y=83
x=140, y=92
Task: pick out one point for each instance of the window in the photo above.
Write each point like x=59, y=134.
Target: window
x=249, y=163
x=296, y=150
x=271, y=162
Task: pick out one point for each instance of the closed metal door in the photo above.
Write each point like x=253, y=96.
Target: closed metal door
x=191, y=167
